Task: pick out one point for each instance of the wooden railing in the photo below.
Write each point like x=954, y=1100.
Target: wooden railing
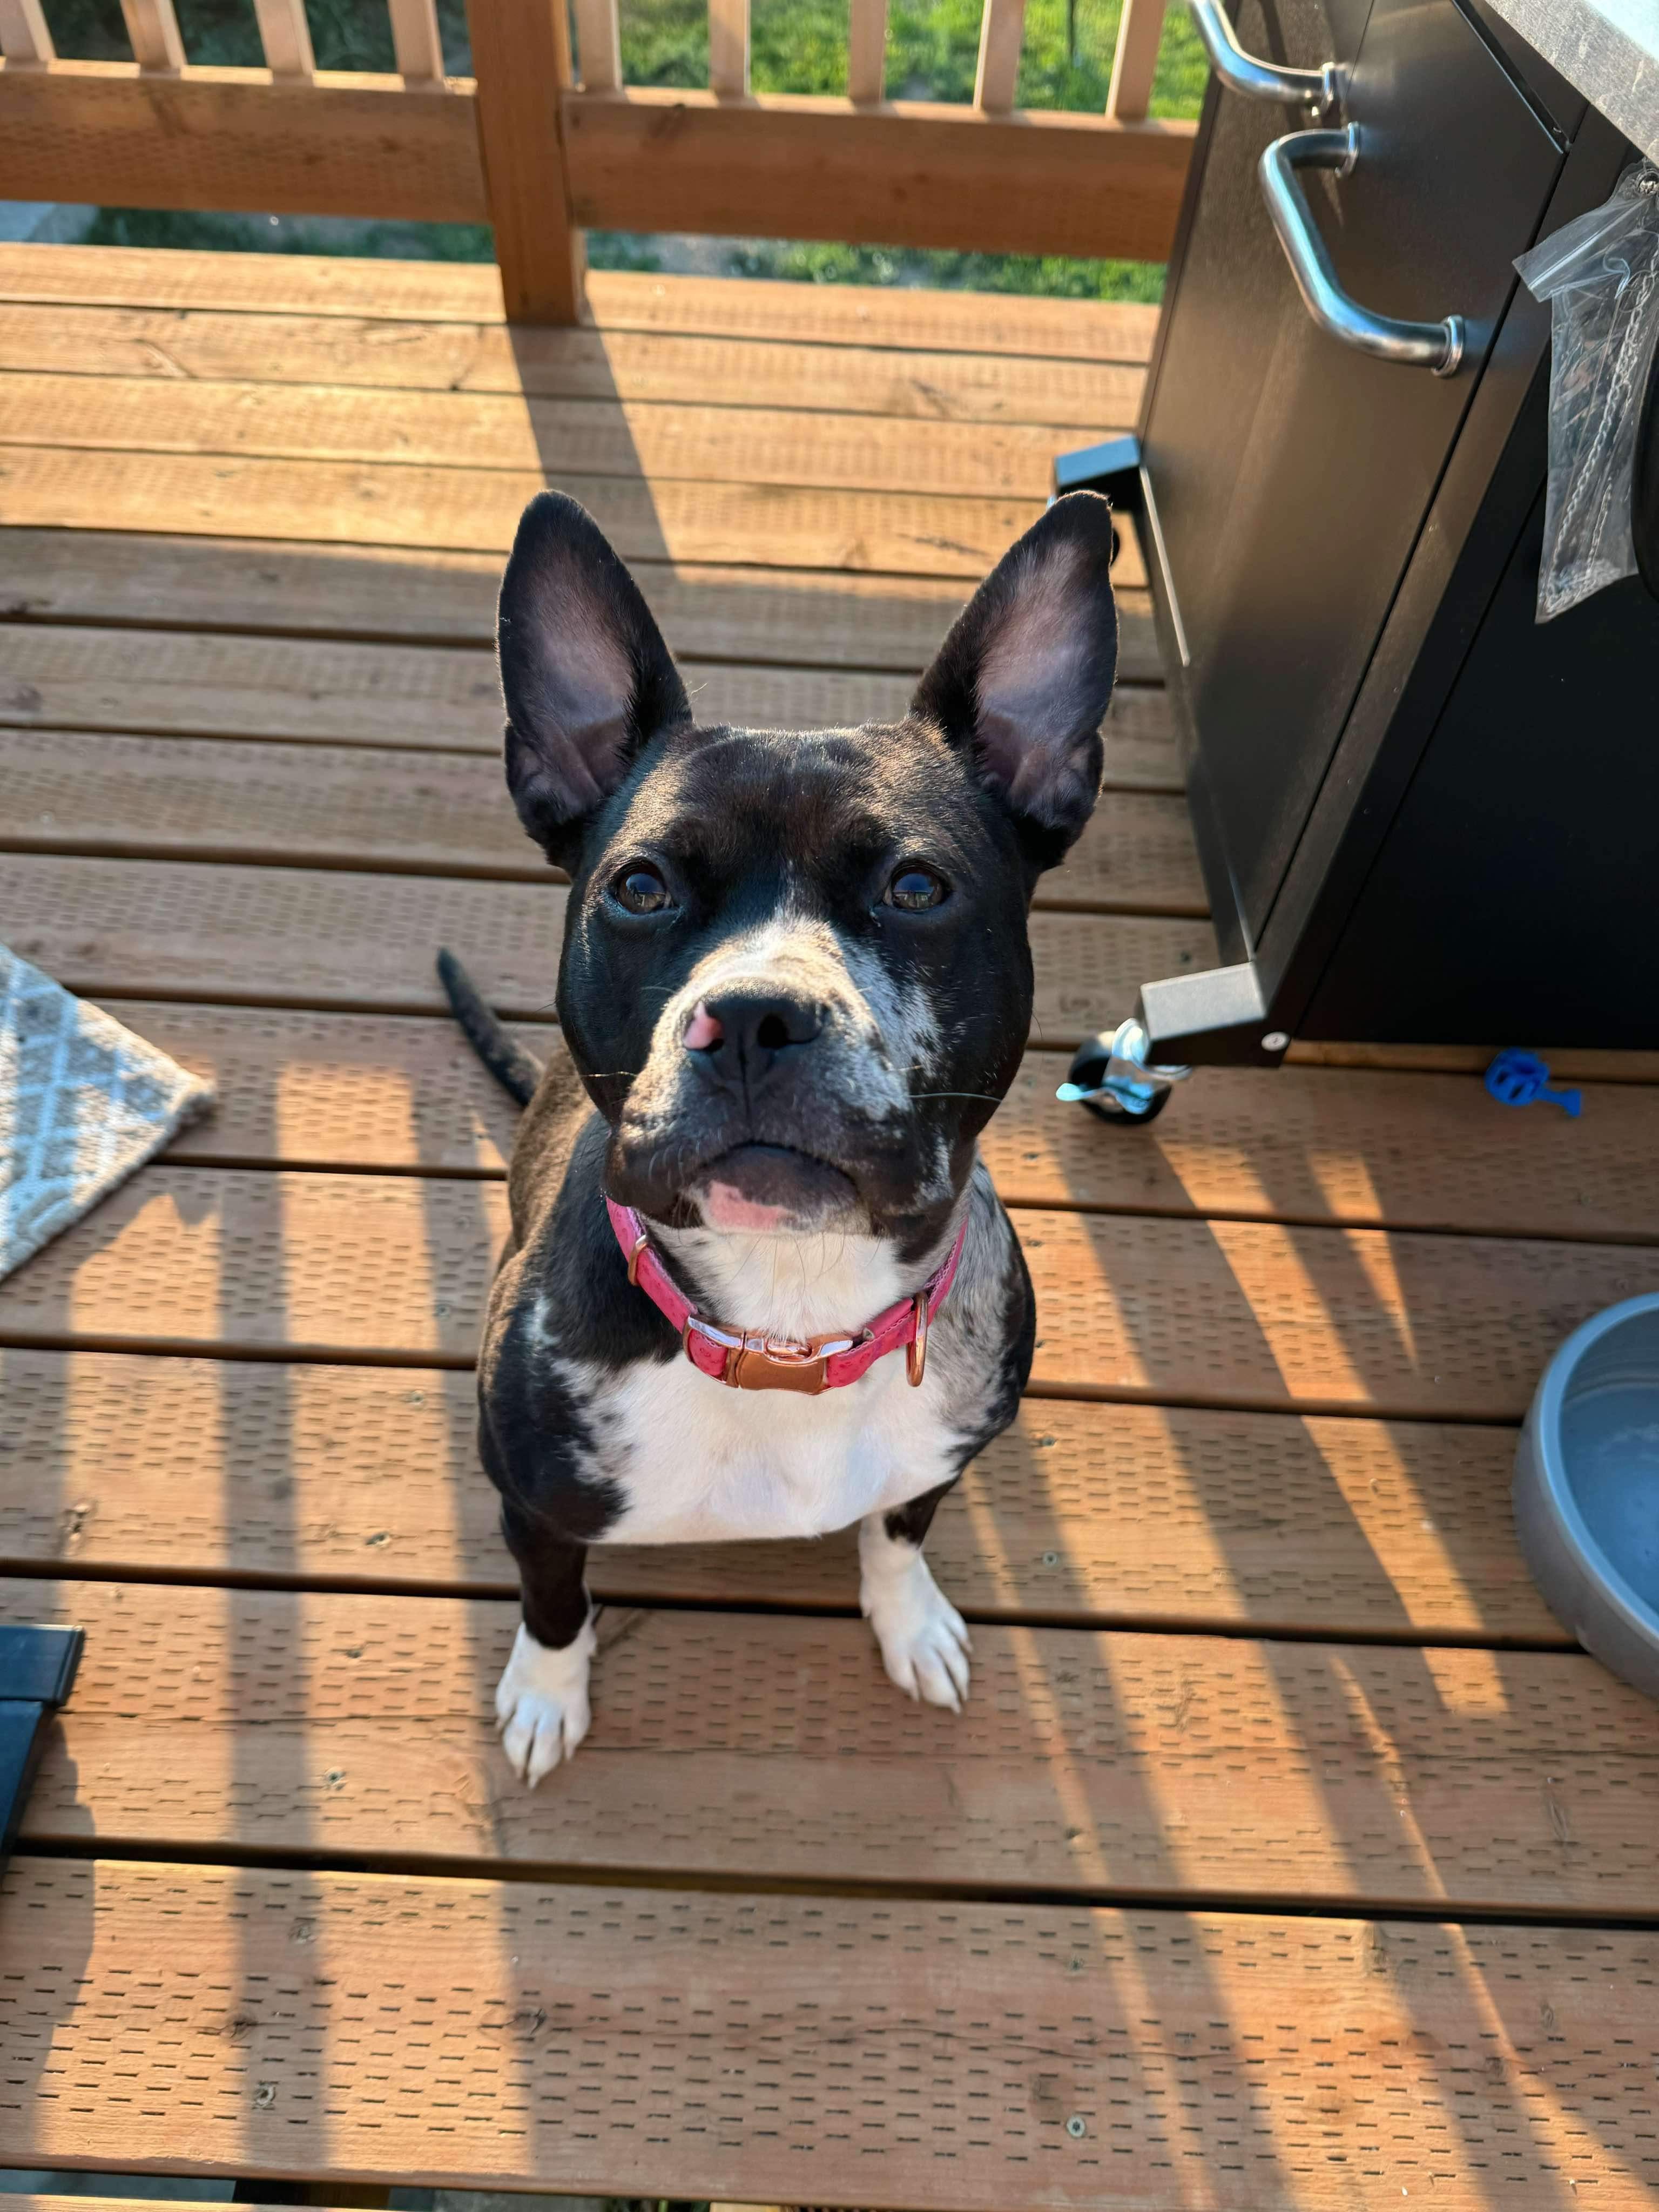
x=544, y=151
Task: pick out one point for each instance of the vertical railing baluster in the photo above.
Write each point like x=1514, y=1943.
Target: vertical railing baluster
x=729, y=48
x=153, y=30
x=285, y=37
x=416, y=41
x=1134, y=61
x=1002, y=31
x=866, y=49
x=599, y=35
x=24, y=38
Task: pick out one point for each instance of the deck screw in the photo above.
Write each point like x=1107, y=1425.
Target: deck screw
x=1076, y=2126
x=1275, y=1041
x=1051, y=1558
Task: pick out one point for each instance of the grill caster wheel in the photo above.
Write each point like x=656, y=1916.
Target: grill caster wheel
x=1086, y=1072
x=1111, y=1077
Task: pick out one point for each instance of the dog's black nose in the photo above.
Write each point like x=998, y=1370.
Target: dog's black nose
x=740, y=1035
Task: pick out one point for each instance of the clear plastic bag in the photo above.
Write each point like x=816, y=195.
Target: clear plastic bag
x=1601, y=276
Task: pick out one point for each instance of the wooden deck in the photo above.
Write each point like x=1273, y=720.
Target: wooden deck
x=1285, y=1855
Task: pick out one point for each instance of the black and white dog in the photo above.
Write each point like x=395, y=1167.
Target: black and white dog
x=795, y=984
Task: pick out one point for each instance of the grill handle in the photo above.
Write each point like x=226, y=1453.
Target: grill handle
x=1438, y=346
x=1320, y=90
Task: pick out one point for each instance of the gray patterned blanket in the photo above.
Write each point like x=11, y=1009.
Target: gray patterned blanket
x=82, y=1103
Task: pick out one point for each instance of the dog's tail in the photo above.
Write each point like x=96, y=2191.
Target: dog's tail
x=517, y=1071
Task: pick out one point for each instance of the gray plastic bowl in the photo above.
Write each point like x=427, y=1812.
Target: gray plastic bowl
x=1587, y=1489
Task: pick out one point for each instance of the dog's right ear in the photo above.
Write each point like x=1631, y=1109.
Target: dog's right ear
x=586, y=677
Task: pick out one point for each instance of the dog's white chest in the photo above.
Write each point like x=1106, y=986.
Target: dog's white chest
x=699, y=1462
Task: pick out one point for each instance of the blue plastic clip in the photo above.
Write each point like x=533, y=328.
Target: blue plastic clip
x=1516, y=1078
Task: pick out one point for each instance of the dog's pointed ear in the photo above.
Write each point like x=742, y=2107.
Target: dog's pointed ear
x=1026, y=673
x=586, y=677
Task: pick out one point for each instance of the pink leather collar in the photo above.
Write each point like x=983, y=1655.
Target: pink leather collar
x=758, y=1362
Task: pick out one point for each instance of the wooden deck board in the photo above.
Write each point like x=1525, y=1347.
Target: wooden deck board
x=183, y=684
x=402, y=1094
x=818, y=617
x=245, y=582
x=127, y=1463
x=32, y=2202
x=96, y=792
x=1253, y=1315
x=1246, y=1593
x=375, y=699
x=1110, y=1765
x=423, y=291
x=165, y=344
x=305, y=937
x=565, y=441
x=420, y=506
x=570, y=2036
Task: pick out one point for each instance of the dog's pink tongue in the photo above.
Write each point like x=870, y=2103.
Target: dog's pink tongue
x=725, y=1207
x=702, y=1030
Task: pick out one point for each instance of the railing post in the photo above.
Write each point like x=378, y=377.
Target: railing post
x=1001, y=33
x=415, y=41
x=24, y=39
x=866, y=49
x=1134, y=61
x=729, y=48
x=285, y=37
x=598, y=34
x=153, y=28
x=521, y=57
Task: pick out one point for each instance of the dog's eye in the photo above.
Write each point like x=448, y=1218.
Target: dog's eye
x=913, y=890
x=640, y=889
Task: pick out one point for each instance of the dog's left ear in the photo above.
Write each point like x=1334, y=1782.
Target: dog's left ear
x=1026, y=673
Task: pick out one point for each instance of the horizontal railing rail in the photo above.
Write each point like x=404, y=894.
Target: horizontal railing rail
x=545, y=143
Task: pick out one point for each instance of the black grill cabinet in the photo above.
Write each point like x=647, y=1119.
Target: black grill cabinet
x=1422, y=817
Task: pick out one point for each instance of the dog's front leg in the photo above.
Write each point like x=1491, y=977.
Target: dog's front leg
x=541, y=1700
x=924, y=1639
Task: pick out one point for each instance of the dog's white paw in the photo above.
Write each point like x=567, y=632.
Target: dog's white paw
x=924, y=1639
x=541, y=1703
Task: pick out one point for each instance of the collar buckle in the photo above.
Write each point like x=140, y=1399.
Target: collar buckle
x=756, y=1361
x=775, y=1363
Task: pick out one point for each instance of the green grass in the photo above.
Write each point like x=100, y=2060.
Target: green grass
x=259, y=234
x=1050, y=274
x=345, y=34
x=798, y=46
